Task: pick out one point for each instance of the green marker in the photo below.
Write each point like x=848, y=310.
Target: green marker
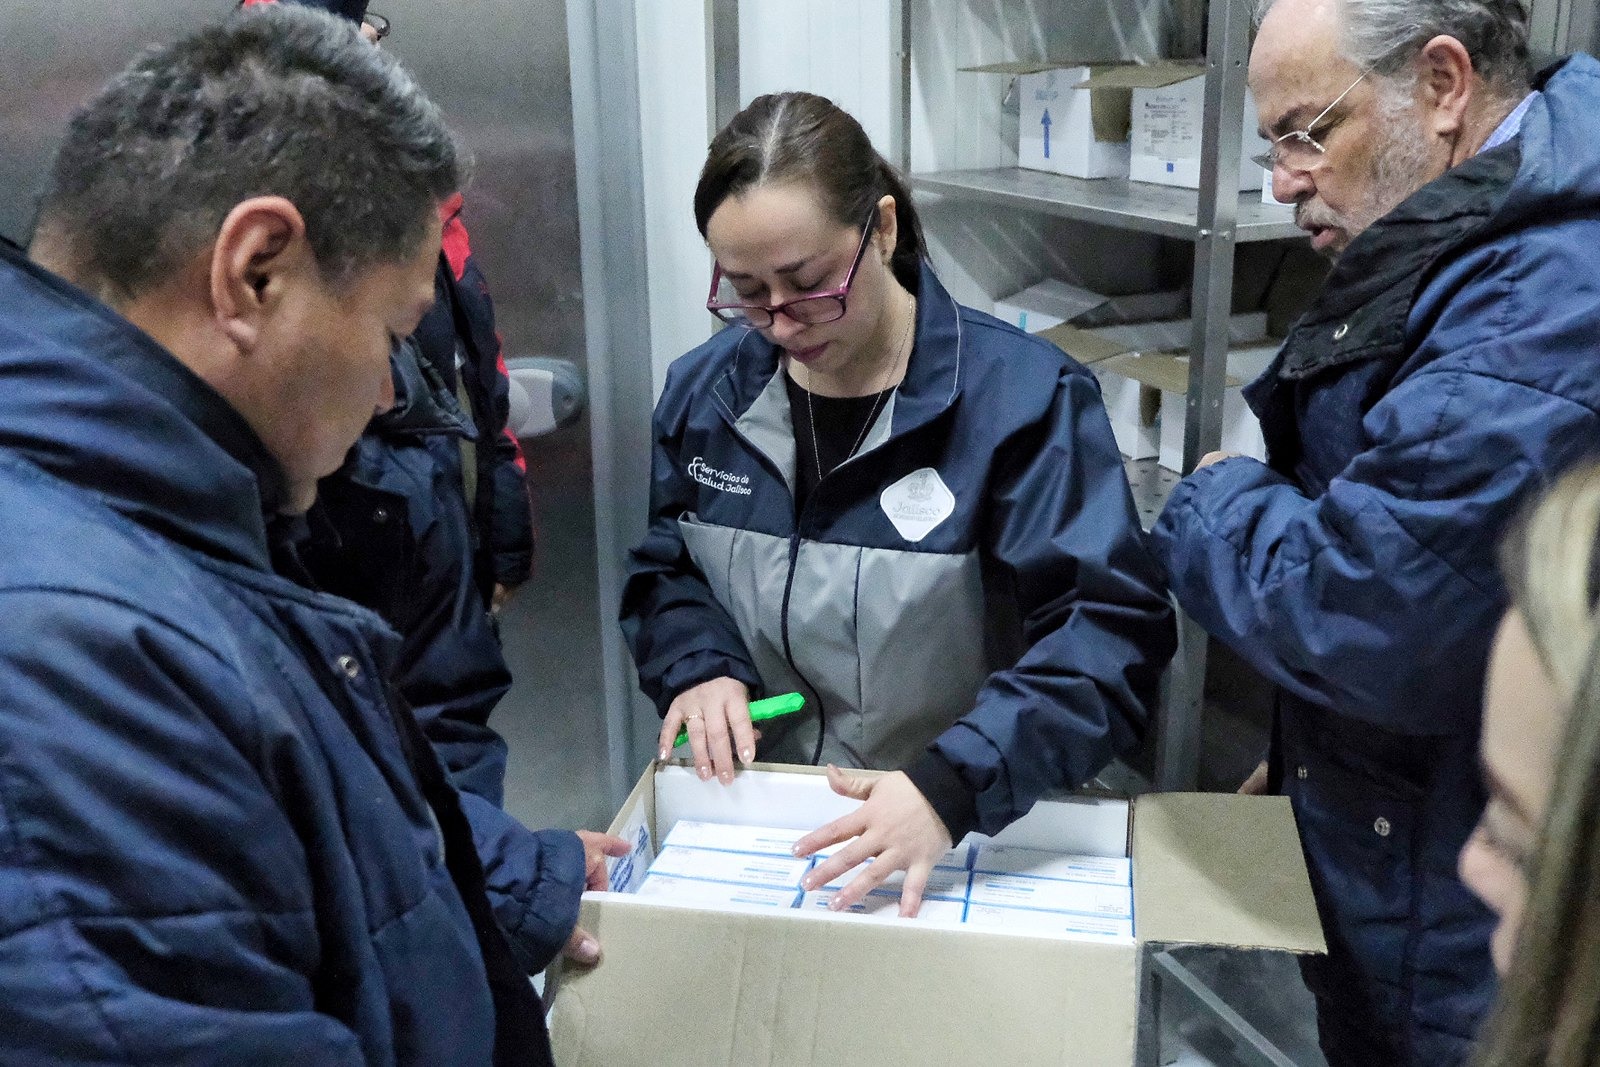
x=761, y=711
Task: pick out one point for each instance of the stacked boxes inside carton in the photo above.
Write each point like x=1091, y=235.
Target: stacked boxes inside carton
x=977, y=883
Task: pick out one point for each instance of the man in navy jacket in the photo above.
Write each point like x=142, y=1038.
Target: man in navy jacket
x=1448, y=369
x=222, y=839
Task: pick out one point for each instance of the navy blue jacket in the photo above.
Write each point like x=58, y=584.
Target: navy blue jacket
x=216, y=843
x=458, y=336
x=968, y=597
x=1448, y=371
x=390, y=531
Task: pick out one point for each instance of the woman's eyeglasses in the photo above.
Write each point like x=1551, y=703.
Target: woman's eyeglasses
x=725, y=303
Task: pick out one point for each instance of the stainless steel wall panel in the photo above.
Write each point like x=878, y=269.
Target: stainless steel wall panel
x=499, y=69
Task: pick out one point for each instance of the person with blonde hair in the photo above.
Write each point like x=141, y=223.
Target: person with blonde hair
x=1535, y=855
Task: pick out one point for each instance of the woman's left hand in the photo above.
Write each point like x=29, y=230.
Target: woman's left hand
x=896, y=828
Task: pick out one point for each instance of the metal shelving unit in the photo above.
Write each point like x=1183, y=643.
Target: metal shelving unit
x=1216, y=218
x=1114, y=202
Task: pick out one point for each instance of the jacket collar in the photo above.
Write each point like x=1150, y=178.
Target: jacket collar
x=98, y=403
x=752, y=395
x=1366, y=301
x=423, y=403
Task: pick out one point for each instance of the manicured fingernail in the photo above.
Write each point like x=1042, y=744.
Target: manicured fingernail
x=748, y=755
x=588, y=950
x=835, y=904
x=705, y=774
x=662, y=756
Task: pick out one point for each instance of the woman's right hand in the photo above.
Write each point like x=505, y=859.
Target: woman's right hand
x=716, y=715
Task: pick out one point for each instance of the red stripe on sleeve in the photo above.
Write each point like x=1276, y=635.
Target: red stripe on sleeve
x=457, y=246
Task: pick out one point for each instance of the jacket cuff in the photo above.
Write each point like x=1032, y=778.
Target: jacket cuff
x=944, y=788
x=550, y=914
x=703, y=666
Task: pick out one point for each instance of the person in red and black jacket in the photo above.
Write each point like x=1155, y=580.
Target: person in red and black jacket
x=459, y=338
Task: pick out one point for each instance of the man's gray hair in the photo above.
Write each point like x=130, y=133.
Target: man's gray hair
x=280, y=100
x=1385, y=35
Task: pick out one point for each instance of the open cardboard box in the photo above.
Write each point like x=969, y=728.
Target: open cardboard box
x=1082, y=134
x=681, y=984
x=1168, y=372
x=1119, y=353
x=1166, y=122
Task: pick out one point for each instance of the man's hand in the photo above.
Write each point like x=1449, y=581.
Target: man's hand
x=1256, y=784
x=581, y=947
x=1213, y=457
x=717, y=717
x=596, y=847
x=896, y=828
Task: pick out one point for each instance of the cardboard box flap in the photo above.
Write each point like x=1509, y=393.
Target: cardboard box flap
x=1221, y=869
x=1110, y=109
x=685, y=986
x=1143, y=76
x=1165, y=371
x=1085, y=346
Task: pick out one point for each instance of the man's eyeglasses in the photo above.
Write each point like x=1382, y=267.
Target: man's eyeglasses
x=725, y=303
x=1298, y=149
x=379, y=24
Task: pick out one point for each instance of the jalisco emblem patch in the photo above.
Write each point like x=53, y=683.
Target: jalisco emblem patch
x=917, y=503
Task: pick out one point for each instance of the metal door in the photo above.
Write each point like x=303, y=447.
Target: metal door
x=499, y=69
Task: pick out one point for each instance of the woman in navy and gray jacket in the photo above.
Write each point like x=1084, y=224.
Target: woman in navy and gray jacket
x=905, y=509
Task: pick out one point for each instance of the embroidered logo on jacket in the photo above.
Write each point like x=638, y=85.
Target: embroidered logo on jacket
x=917, y=503
x=722, y=481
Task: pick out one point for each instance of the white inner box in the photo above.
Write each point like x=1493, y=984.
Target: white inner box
x=1069, y=858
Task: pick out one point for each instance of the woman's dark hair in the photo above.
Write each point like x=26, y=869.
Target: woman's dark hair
x=802, y=137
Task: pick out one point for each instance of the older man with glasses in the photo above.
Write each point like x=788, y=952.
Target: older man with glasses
x=1449, y=366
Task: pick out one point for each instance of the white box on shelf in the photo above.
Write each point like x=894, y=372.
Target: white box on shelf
x=1132, y=409
x=1046, y=304
x=1166, y=124
x=1241, y=430
x=1133, y=404
x=1061, y=130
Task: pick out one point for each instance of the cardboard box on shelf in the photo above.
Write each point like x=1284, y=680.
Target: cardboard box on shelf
x=1132, y=404
x=1053, y=302
x=687, y=982
x=1046, y=304
x=1061, y=130
x=1168, y=372
x=1166, y=123
x=1241, y=430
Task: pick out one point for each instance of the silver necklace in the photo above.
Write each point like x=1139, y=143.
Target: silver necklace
x=872, y=413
